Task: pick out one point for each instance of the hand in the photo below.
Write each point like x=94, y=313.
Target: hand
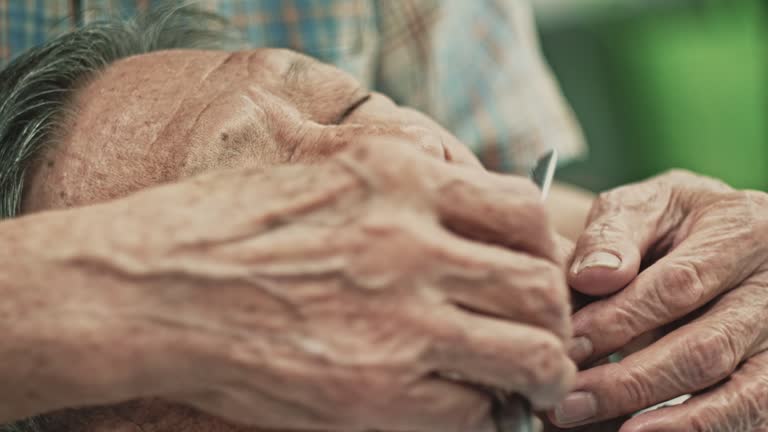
x=704, y=247
x=332, y=296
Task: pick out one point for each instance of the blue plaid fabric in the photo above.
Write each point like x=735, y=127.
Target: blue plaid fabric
x=473, y=65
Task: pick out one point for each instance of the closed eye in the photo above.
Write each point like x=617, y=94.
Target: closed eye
x=352, y=109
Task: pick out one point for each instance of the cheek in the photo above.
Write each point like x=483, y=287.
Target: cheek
x=381, y=111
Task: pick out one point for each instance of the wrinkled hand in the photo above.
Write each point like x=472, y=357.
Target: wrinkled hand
x=704, y=281
x=339, y=295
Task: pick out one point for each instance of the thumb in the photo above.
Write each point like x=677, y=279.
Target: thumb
x=621, y=227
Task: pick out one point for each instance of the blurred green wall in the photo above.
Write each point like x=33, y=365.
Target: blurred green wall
x=682, y=84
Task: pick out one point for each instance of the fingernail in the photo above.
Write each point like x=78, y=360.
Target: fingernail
x=577, y=407
x=598, y=259
x=581, y=348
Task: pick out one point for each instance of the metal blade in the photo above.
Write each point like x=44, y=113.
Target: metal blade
x=544, y=171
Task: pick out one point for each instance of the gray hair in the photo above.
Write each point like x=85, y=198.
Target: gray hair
x=35, y=88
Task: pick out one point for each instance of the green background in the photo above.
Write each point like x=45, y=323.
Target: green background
x=660, y=85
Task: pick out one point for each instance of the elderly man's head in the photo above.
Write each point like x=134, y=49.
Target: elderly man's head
x=118, y=106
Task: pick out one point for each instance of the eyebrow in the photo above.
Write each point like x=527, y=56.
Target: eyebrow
x=297, y=69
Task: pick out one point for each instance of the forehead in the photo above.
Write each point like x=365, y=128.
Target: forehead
x=151, y=97
x=134, y=124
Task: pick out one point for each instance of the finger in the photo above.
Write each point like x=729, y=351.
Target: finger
x=448, y=269
x=689, y=277
x=498, y=282
x=497, y=209
x=524, y=289
x=478, y=205
x=737, y=405
x=622, y=224
x=689, y=359
x=507, y=356
x=626, y=222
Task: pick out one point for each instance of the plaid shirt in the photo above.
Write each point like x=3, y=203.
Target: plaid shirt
x=473, y=65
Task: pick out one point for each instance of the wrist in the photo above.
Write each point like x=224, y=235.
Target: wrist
x=63, y=345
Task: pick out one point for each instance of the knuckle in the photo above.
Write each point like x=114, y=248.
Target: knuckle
x=385, y=249
x=692, y=181
x=599, y=233
x=646, y=199
x=706, y=420
x=550, y=370
x=549, y=280
x=620, y=324
x=549, y=294
x=744, y=216
x=617, y=212
x=633, y=386
x=613, y=199
x=680, y=287
x=611, y=323
x=709, y=357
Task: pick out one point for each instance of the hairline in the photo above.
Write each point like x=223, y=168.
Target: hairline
x=30, y=116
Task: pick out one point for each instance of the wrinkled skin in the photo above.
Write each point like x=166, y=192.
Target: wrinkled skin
x=703, y=285
x=331, y=278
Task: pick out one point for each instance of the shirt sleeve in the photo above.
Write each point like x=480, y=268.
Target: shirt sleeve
x=476, y=67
